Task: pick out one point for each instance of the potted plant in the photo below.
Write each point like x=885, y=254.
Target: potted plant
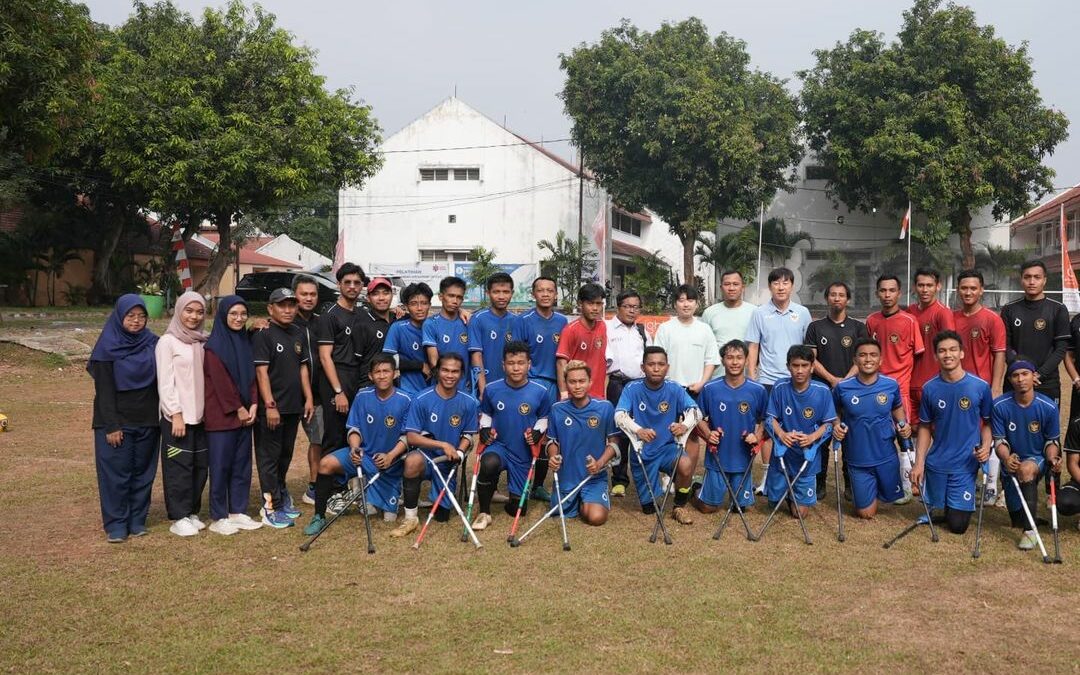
x=151, y=295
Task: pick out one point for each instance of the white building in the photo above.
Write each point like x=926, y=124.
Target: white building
x=454, y=179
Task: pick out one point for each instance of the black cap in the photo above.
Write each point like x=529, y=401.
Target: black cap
x=281, y=295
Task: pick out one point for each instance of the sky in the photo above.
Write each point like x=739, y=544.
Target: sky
x=502, y=57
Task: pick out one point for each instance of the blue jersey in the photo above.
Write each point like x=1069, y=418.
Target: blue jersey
x=380, y=423
x=542, y=336
x=581, y=432
x=803, y=411
x=488, y=334
x=449, y=335
x=513, y=410
x=956, y=410
x=443, y=419
x=655, y=409
x=407, y=341
x=867, y=411
x=735, y=410
x=1027, y=429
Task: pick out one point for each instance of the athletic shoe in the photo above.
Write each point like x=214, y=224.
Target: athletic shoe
x=990, y=496
x=1027, y=542
x=116, y=538
x=276, y=519
x=309, y=495
x=389, y=516
x=194, y=519
x=287, y=506
x=371, y=510
x=666, y=485
x=183, y=528
x=1000, y=502
x=497, y=498
x=141, y=532
x=337, y=502
x=905, y=499
x=223, y=526
x=426, y=503
x=407, y=527
x=482, y=521
x=681, y=515
x=244, y=522
x=540, y=494
x=315, y=526
x=760, y=490
x=618, y=490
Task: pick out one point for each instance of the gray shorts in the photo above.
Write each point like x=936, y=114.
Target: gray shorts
x=314, y=428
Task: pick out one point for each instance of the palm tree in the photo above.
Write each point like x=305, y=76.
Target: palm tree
x=776, y=241
x=837, y=267
x=998, y=263
x=730, y=252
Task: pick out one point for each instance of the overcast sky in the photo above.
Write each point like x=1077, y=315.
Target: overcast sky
x=502, y=57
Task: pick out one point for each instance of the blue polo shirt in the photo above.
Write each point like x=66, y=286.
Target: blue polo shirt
x=775, y=332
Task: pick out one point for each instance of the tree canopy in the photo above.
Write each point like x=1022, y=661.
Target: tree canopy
x=947, y=116
x=681, y=123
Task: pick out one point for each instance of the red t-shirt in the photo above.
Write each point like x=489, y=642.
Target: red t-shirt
x=578, y=343
x=932, y=320
x=901, y=341
x=982, y=335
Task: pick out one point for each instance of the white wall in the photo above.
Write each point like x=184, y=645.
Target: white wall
x=283, y=247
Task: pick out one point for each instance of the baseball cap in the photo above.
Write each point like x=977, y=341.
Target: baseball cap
x=379, y=281
x=281, y=295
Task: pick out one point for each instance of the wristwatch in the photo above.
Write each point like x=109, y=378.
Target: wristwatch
x=271, y=405
x=338, y=391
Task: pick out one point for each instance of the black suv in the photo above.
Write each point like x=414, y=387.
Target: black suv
x=257, y=286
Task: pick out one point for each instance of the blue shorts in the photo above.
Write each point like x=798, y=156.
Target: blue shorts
x=805, y=488
x=663, y=462
x=384, y=492
x=593, y=492
x=876, y=483
x=713, y=491
x=955, y=490
x=516, y=470
x=447, y=469
x=1012, y=497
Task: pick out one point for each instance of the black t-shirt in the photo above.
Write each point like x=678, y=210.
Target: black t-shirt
x=335, y=327
x=835, y=343
x=314, y=369
x=282, y=350
x=1040, y=331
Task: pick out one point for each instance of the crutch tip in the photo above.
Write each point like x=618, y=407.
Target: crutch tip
x=371, y=550
x=566, y=547
x=841, y=539
x=886, y=545
x=514, y=543
x=935, y=539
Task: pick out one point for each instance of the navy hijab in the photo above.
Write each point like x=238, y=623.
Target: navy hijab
x=233, y=347
x=132, y=354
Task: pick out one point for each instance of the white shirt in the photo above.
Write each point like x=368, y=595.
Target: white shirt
x=624, y=348
x=690, y=347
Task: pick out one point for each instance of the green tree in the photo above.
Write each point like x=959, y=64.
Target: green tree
x=733, y=251
x=776, y=240
x=652, y=279
x=312, y=220
x=570, y=263
x=226, y=117
x=1000, y=264
x=836, y=267
x=483, y=267
x=946, y=117
x=679, y=121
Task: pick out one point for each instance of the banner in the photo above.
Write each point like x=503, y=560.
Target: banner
x=432, y=273
x=1070, y=290
x=522, y=274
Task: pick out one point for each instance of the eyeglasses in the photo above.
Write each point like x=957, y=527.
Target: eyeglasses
x=135, y=317
x=627, y=306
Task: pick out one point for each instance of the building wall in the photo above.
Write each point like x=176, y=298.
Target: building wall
x=286, y=248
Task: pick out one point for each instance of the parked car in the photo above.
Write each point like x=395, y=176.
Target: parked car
x=257, y=286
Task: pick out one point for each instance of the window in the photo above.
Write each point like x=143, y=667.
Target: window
x=625, y=223
x=819, y=172
x=462, y=173
x=445, y=255
x=467, y=174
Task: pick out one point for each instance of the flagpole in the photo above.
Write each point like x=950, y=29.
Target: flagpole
x=907, y=281
x=761, y=226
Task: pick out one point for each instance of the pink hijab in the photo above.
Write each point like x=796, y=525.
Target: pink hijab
x=177, y=329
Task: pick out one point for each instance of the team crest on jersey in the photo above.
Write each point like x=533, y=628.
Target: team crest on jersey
x=926, y=328
x=556, y=337
x=663, y=407
x=455, y=420
x=598, y=343
x=524, y=408
x=297, y=348
x=1033, y=426
x=964, y=402
x=894, y=338
x=1040, y=324
x=744, y=407
x=390, y=421
x=974, y=333
x=808, y=413
x=509, y=336
x=882, y=399
x=846, y=341
x=593, y=422
x=794, y=317
x=463, y=338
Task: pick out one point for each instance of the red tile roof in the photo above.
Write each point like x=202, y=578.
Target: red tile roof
x=623, y=248
x=1069, y=198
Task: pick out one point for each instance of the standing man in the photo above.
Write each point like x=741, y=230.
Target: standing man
x=833, y=339
x=901, y=342
x=372, y=324
x=1038, y=328
x=491, y=329
x=405, y=340
x=625, y=348
x=585, y=339
x=932, y=317
x=306, y=291
x=445, y=332
x=692, y=351
x=337, y=355
x=730, y=317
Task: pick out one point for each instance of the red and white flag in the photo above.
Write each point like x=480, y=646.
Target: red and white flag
x=599, y=235
x=183, y=269
x=905, y=223
x=1070, y=290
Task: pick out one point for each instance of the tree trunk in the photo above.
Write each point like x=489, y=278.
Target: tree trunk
x=688, y=238
x=961, y=224
x=224, y=254
x=101, y=284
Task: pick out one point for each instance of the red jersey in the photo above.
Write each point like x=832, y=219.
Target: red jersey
x=578, y=343
x=982, y=335
x=932, y=320
x=901, y=341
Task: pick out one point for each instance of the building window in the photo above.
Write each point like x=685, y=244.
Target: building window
x=819, y=172
x=624, y=223
x=467, y=174
x=445, y=255
x=459, y=173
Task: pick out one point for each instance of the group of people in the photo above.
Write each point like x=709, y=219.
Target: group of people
x=391, y=395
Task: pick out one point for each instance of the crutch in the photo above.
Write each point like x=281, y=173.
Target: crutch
x=430, y=517
x=790, y=483
x=635, y=444
x=1030, y=519
x=733, y=504
x=524, y=493
x=453, y=500
x=1053, y=516
x=562, y=516
x=550, y=512
x=311, y=540
x=363, y=506
x=982, y=497
x=839, y=497
x=921, y=520
x=472, y=488
x=663, y=502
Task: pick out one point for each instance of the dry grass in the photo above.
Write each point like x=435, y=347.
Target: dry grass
x=253, y=602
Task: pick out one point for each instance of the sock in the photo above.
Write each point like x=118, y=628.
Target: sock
x=1029, y=493
x=411, y=490
x=905, y=471
x=1018, y=520
x=485, y=490
x=995, y=470
x=442, y=514
x=411, y=513
x=541, y=473
x=511, y=506
x=681, y=495
x=324, y=485
x=311, y=486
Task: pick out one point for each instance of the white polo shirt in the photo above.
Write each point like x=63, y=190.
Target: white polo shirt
x=624, y=348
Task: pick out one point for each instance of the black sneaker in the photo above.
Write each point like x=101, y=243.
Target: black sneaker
x=442, y=514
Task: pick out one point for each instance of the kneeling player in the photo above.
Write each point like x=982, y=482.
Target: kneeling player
x=580, y=427
x=513, y=417
x=954, y=435
x=374, y=430
x=800, y=414
x=1026, y=427
x=734, y=407
x=867, y=404
x=653, y=412
x=441, y=421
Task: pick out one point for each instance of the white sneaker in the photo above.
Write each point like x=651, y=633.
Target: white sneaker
x=482, y=521
x=194, y=520
x=223, y=526
x=371, y=510
x=244, y=521
x=499, y=498
x=183, y=528
x=389, y=516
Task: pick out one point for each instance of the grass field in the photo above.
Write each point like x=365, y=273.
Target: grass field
x=253, y=602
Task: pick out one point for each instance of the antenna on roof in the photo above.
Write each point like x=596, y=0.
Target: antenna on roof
x=455, y=90
x=504, y=120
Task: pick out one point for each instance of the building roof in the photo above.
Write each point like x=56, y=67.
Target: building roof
x=1069, y=198
x=623, y=248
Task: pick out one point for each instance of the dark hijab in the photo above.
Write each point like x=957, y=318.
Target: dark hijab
x=233, y=347
x=132, y=354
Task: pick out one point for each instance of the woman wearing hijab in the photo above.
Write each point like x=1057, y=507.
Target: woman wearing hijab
x=125, y=418
x=229, y=416
x=180, y=383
